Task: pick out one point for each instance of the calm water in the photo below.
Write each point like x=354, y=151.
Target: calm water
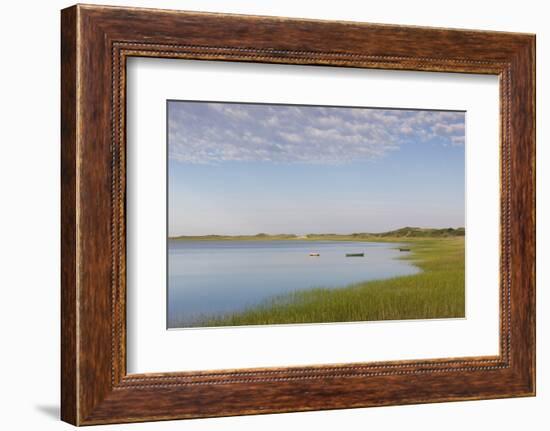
x=215, y=277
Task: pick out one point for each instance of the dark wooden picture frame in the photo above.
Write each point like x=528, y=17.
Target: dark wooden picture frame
x=95, y=43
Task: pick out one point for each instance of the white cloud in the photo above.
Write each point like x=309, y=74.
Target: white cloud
x=215, y=132
x=291, y=137
x=444, y=128
x=233, y=111
x=457, y=140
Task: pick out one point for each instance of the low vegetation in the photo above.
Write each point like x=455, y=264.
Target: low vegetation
x=405, y=232
x=435, y=292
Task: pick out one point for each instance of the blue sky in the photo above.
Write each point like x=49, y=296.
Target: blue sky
x=250, y=168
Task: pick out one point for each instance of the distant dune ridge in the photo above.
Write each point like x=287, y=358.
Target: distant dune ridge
x=404, y=232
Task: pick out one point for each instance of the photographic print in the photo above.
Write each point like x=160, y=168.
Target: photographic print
x=298, y=214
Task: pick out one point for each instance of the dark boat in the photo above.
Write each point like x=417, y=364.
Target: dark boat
x=355, y=254
x=404, y=249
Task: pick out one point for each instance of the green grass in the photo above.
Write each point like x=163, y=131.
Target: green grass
x=436, y=292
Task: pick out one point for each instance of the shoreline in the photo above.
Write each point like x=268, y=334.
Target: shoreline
x=435, y=292
x=403, y=233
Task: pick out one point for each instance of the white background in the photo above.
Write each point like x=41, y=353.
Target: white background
x=153, y=349
x=29, y=227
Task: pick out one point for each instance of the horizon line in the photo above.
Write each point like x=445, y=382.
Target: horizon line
x=319, y=233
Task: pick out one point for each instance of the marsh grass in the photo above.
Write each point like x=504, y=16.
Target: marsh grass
x=436, y=292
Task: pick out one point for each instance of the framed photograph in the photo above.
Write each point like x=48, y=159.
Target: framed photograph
x=264, y=214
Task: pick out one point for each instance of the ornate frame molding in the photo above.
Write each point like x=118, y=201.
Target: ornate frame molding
x=96, y=41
